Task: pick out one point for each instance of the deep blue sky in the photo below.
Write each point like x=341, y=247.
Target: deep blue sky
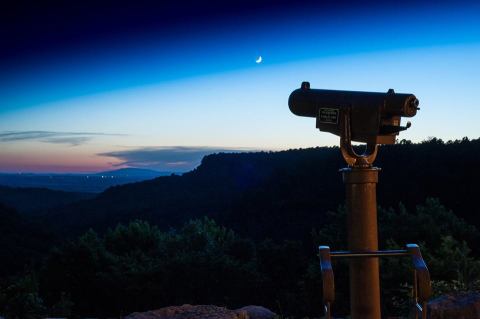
x=88, y=86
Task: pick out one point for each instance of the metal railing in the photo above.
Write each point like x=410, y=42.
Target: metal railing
x=421, y=277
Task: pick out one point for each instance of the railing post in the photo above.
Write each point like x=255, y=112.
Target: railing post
x=422, y=284
x=328, y=281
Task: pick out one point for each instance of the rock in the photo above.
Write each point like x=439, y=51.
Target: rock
x=457, y=306
x=257, y=312
x=204, y=312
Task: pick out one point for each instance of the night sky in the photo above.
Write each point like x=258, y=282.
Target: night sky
x=88, y=85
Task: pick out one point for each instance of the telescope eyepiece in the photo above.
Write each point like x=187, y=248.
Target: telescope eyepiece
x=411, y=106
x=415, y=103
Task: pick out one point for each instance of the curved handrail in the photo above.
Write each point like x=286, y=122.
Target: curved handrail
x=422, y=289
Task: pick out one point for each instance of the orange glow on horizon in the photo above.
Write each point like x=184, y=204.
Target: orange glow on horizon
x=54, y=161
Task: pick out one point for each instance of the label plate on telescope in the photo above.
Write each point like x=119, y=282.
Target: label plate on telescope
x=327, y=115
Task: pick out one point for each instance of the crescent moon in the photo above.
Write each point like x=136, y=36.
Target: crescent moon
x=258, y=60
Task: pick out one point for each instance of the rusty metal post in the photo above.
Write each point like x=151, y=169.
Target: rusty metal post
x=361, y=202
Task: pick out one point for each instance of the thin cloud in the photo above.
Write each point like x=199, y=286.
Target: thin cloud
x=69, y=138
x=172, y=158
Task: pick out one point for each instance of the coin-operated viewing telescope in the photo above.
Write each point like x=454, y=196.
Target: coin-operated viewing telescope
x=372, y=117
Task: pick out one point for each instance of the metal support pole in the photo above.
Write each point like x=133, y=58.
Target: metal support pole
x=361, y=202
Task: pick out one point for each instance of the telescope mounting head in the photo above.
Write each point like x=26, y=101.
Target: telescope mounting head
x=369, y=117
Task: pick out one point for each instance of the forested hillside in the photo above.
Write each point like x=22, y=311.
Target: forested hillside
x=242, y=229
x=22, y=242
x=32, y=201
x=283, y=194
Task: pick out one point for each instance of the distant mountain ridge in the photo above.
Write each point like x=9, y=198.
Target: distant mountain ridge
x=132, y=172
x=83, y=183
x=283, y=194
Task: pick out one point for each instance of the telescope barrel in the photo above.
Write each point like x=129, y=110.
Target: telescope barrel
x=307, y=102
